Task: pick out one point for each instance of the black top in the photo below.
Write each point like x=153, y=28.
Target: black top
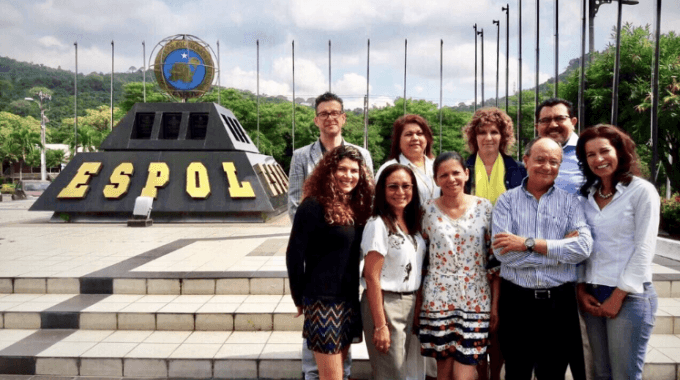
x=514, y=173
x=322, y=259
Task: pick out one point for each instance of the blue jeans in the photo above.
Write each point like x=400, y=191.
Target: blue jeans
x=619, y=344
x=310, y=369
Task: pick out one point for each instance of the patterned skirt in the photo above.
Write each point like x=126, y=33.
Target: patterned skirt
x=455, y=334
x=330, y=325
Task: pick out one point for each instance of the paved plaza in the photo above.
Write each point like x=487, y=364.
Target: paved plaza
x=184, y=301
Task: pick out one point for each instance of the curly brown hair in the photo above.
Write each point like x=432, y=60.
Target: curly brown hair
x=490, y=115
x=340, y=209
x=629, y=162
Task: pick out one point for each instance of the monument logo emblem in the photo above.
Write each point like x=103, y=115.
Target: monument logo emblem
x=184, y=67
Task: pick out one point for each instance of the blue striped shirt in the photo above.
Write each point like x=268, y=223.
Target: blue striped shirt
x=553, y=216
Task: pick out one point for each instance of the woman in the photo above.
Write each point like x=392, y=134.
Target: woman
x=492, y=171
x=615, y=289
x=323, y=256
x=393, y=258
x=454, y=317
x=412, y=147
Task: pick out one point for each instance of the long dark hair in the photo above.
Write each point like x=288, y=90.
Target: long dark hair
x=339, y=209
x=382, y=209
x=629, y=163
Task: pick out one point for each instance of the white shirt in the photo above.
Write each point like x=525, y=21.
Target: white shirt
x=624, y=236
x=427, y=188
x=404, y=255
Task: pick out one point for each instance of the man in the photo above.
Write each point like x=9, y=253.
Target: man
x=330, y=118
x=540, y=234
x=555, y=119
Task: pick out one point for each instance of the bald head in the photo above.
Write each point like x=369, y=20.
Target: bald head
x=542, y=159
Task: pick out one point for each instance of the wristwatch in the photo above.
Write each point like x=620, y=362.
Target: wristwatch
x=530, y=243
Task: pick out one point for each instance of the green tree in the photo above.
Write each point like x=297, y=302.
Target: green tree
x=21, y=143
x=637, y=50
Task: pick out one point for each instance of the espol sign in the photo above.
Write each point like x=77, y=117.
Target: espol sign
x=195, y=160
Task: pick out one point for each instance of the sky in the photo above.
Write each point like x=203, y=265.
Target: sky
x=44, y=32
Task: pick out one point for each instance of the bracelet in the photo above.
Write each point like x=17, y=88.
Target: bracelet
x=375, y=330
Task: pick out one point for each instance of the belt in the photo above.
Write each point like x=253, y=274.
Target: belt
x=401, y=293
x=540, y=294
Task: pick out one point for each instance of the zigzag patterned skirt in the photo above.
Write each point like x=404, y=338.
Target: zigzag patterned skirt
x=330, y=325
x=455, y=334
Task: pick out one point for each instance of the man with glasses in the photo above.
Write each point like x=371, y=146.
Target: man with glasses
x=330, y=118
x=555, y=119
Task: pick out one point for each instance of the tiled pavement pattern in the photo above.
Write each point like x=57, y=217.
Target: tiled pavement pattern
x=183, y=301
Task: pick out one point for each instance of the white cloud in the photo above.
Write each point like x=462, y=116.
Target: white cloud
x=10, y=16
x=51, y=42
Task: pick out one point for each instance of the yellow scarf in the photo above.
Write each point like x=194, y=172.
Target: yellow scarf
x=490, y=187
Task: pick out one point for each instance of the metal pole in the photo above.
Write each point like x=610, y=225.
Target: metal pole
x=592, y=10
x=329, y=65
x=75, y=107
x=368, y=61
x=405, y=56
x=144, y=69
x=441, y=90
x=557, y=45
x=475, y=103
x=219, y=75
x=519, y=94
x=498, y=53
x=536, y=94
x=615, y=84
x=293, y=134
x=257, y=42
x=507, y=54
x=43, y=171
x=582, y=76
x=111, y=124
x=655, y=94
x=481, y=33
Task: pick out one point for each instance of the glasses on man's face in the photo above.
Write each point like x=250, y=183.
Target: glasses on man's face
x=393, y=187
x=548, y=120
x=326, y=115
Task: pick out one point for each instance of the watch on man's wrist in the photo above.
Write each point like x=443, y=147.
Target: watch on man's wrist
x=530, y=243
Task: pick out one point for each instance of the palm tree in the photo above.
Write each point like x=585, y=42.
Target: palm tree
x=20, y=144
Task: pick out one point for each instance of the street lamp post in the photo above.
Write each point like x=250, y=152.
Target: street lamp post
x=593, y=7
x=43, y=165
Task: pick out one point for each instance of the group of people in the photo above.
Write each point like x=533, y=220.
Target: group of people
x=457, y=257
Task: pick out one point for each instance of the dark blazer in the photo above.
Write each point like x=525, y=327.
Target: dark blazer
x=514, y=172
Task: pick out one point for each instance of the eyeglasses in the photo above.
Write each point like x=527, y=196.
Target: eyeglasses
x=548, y=120
x=325, y=115
x=393, y=187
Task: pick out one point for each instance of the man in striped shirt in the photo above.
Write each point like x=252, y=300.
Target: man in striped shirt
x=540, y=235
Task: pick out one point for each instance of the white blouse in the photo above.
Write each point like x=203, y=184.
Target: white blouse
x=404, y=254
x=427, y=188
x=624, y=237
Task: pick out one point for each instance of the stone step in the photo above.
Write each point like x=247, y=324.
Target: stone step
x=206, y=354
x=160, y=354
x=256, y=282
x=149, y=312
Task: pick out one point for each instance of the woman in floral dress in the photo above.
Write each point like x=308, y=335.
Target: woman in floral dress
x=456, y=307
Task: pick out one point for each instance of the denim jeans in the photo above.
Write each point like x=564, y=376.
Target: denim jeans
x=311, y=370
x=619, y=344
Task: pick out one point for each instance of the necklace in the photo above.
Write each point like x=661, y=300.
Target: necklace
x=604, y=196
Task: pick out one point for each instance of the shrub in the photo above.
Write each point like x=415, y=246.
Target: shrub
x=670, y=214
x=7, y=188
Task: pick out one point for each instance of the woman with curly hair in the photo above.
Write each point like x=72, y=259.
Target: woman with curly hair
x=615, y=290
x=323, y=256
x=492, y=172
x=489, y=135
